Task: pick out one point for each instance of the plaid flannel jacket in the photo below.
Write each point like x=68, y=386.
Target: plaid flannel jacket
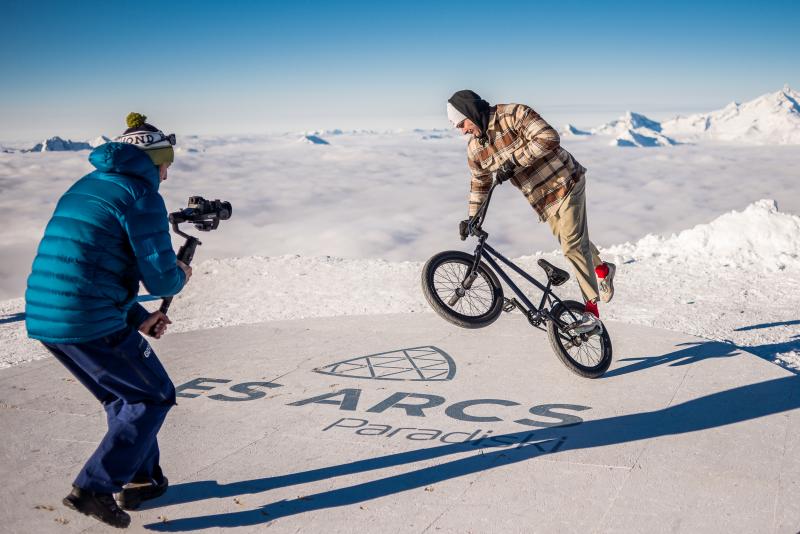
x=545, y=172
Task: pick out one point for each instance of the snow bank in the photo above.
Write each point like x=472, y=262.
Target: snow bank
x=758, y=236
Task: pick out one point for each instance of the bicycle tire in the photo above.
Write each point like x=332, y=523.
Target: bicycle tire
x=557, y=343
x=493, y=302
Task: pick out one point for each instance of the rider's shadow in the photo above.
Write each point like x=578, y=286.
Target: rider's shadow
x=694, y=352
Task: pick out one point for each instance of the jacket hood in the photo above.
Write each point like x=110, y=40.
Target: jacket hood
x=122, y=158
x=472, y=106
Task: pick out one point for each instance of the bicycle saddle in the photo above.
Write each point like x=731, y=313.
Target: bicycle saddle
x=554, y=274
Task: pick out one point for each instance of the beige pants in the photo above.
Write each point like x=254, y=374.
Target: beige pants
x=569, y=226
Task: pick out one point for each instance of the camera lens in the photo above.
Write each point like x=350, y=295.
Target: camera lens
x=224, y=210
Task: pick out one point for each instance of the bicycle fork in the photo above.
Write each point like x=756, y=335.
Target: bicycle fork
x=472, y=274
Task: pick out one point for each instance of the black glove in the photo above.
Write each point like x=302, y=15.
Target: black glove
x=505, y=172
x=463, y=229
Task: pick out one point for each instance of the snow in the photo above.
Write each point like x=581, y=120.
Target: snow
x=100, y=140
x=641, y=138
x=629, y=121
x=758, y=238
x=570, y=130
x=634, y=130
x=773, y=118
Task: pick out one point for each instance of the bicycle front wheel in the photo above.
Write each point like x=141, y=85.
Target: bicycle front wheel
x=475, y=306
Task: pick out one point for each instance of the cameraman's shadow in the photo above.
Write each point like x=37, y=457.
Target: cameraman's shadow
x=718, y=409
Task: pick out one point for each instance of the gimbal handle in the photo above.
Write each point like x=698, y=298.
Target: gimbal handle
x=185, y=254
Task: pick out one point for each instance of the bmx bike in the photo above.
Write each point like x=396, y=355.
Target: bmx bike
x=465, y=291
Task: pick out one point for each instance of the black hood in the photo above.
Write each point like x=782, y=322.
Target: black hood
x=473, y=107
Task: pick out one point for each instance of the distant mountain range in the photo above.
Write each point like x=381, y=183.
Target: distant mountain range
x=56, y=144
x=773, y=118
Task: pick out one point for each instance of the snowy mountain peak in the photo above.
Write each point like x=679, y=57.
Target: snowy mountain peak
x=57, y=144
x=635, y=130
x=636, y=120
x=570, y=130
x=772, y=118
x=629, y=121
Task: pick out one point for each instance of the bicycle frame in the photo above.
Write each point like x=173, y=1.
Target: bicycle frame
x=535, y=314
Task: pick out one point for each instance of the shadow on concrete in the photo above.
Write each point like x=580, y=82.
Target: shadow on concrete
x=719, y=409
x=693, y=353
x=13, y=318
x=767, y=325
x=772, y=353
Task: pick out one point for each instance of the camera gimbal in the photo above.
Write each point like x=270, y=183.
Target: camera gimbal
x=205, y=215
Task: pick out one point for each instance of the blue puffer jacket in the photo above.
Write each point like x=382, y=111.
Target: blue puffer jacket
x=108, y=232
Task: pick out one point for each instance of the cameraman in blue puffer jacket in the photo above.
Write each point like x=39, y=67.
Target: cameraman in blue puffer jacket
x=109, y=232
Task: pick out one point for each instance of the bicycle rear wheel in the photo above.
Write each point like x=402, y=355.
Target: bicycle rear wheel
x=473, y=307
x=587, y=356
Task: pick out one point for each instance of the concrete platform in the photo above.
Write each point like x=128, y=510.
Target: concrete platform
x=404, y=423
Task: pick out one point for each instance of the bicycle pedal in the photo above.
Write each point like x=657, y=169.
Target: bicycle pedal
x=508, y=305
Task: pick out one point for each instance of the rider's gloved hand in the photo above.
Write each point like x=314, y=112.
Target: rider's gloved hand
x=463, y=229
x=505, y=172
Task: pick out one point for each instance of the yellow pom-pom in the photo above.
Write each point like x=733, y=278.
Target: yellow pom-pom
x=135, y=120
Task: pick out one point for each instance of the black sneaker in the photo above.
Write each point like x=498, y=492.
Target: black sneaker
x=134, y=494
x=101, y=506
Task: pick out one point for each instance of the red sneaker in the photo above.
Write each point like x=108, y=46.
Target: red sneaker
x=605, y=275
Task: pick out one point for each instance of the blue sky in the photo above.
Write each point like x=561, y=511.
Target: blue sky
x=76, y=68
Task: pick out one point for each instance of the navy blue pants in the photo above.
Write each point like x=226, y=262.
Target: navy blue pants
x=122, y=371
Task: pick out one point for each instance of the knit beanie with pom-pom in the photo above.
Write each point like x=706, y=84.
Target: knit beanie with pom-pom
x=153, y=141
